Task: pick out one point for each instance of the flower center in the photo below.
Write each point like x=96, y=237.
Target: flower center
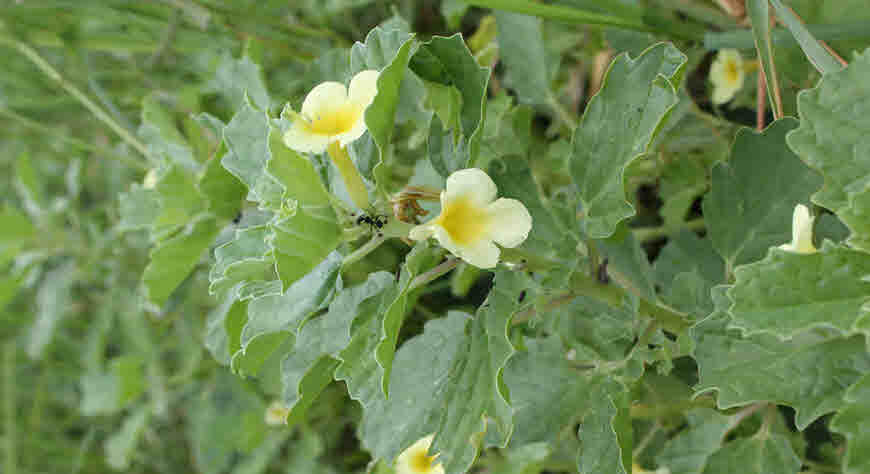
x=337, y=120
x=464, y=222
x=731, y=71
x=421, y=463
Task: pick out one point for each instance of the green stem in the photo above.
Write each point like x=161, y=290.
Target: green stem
x=575, y=15
x=434, y=273
x=742, y=38
x=364, y=250
x=74, y=91
x=80, y=144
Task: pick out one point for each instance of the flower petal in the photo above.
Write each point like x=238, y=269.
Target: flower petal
x=324, y=98
x=510, y=222
x=300, y=138
x=472, y=184
x=802, y=230
x=422, y=232
x=482, y=254
x=358, y=129
x=363, y=88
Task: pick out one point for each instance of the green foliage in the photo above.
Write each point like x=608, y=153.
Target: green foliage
x=176, y=280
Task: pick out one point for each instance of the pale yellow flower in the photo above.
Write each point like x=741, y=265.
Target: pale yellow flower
x=472, y=220
x=276, y=414
x=727, y=74
x=150, y=179
x=416, y=459
x=801, y=231
x=332, y=113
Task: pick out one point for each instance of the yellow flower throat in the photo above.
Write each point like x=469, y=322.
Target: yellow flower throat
x=464, y=222
x=335, y=121
x=421, y=463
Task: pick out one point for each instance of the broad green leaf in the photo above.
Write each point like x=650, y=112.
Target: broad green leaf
x=224, y=192
x=310, y=367
x=447, y=151
x=687, y=269
x=180, y=203
x=9, y=286
x=527, y=459
x=832, y=138
x=381, y=52
x=823, y=60
x=53, y=301
x=421, y=371
x=515, y=180
x=787, y=292
x=274, y=318
x=446, y=102
x=522, y=50
x=121, y=445
x=853, y=421
x=173, y=259
x=603, y=434
x=758, y=12
x=810, y=372
x=763, y=453
x=746, y=211
x=475, y=390
x=627, y=263
x=108, y=391
x=224, y=420
x=245, y=259
x=303, y=240
x=688, y=452
x=224, y=326
x=238, y=79
x=448, y=61
x=139, y=208
x=421, y=258
x=593, y=328
x=618, y=126
x=259, y=460
x=296, y=174
x=247, y=140
x=547, y=392
x=159, y=132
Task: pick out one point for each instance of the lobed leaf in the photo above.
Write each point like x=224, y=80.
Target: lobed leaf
x=618, y=126
x=853, y=421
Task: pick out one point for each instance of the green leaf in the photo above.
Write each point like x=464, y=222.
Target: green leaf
x=759, y=15
x=421, y=370
x=521, y=49
x=787, y=292
x=448, y=61
x=53, y=301
x=618, y=126
x=823, y=60
x=547, y=393
x=224, y=192
x=421, y=258
x=835, y=121
x=240, y=80
x=515, y=180
x=747, y=211
x=243, y=260
x=296, y=174
x=593, y=328
x=159, y=132
x=447, y=151
x=247, y=140
x=139, y=208
x=310, y=367
x=180, y=203
x=30, y=185
x=224, y=328
x=853, y=421
x=688, y=452
x=763, y=453
x=687, y=269
x=225, y=406
x=627, y=263
x=16, y=231
x=810, y=372
x=603, y=434
x=121, y=445
x=274, y=318
x=173, y=259
x=475, y=389
x=382, y=51
x=303, y=240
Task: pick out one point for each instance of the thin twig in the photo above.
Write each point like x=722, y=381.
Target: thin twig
x=434, y=273
x=74, y=91
x=761, y=103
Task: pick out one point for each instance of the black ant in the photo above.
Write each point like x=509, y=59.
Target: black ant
x=377, y=221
